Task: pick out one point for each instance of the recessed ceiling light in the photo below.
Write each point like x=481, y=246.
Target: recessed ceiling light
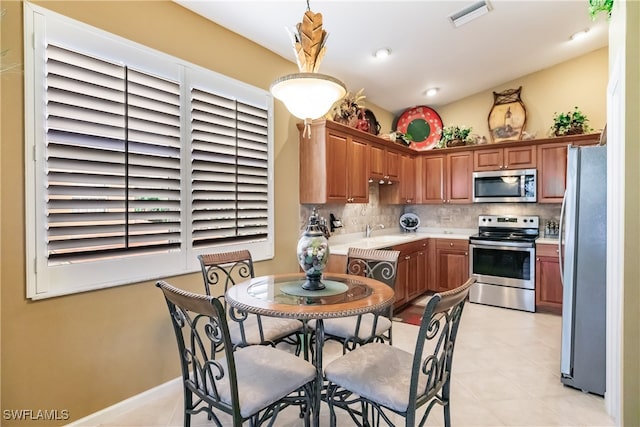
x=432, y=92
x=579, y=34
x=382, y=53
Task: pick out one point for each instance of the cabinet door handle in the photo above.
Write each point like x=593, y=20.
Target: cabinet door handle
x=466, y=253
x=407, y=257
x=450, y=243
x=537, y=259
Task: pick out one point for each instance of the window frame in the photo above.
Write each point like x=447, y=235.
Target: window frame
x=43, y=280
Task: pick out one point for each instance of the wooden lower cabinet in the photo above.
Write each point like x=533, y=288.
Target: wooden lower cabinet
x=451, y=258
x=409, y=283
x=336, y=264
x=424, y=265
x=548, y=281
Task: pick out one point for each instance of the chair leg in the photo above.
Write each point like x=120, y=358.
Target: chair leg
x=188, y=402
x=446, y=403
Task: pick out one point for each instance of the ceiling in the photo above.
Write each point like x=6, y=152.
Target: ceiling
x=515, y=38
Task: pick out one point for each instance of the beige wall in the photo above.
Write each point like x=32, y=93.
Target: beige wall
x=87, y=351
x=579, y=82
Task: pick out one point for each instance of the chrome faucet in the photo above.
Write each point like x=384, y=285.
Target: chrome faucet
x=369, y=229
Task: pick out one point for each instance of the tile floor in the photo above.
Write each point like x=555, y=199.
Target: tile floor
x=506, y=373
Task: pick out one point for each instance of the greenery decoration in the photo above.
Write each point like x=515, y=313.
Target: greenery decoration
x=597, y=6
x=570, y=123
x=454, y=136
x=404, y=138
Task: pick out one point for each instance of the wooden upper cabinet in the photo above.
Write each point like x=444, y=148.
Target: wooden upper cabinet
x=392, y=164
x=495, y=158
x=458, y=184
x=552, y=166
x=446, y=178
x=402, y=192
x=334, y=167
x=552, y=172
x=338, y=162
x=357, y=168
x=433, y=181
x=384, y=165
x=407, y=179
x=377, y=163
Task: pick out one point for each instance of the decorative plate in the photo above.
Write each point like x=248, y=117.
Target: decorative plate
x=409, y=222
x=423, y=124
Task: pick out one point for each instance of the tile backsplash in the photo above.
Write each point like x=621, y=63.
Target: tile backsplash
x=466, y=216
x=355, y=216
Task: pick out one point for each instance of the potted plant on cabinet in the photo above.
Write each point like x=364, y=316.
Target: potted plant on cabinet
x=454, y=136
x=570, y=123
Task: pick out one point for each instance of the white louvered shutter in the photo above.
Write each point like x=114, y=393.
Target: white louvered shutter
x=113, y=159
x=229, y=170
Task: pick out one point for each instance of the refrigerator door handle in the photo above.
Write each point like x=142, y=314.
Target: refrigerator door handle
x=560, y=238
x=569, y=227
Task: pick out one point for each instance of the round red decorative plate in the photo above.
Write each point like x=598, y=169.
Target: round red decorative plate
x=423, y=124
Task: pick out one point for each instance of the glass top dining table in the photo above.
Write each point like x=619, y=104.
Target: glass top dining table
x=281, y=295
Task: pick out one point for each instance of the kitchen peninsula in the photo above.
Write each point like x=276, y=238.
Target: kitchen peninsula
x=430, y=260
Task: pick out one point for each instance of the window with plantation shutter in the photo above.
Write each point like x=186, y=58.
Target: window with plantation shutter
x=229, y=143
x=113, y=159
x=136, y=161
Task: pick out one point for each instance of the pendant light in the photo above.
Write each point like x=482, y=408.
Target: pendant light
x=308, y=95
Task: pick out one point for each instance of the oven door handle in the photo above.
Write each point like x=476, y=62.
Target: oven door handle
x=509, y=246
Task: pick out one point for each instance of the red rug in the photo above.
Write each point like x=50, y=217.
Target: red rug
x=411, y=314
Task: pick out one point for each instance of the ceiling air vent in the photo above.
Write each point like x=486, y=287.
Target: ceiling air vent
x=470, y=13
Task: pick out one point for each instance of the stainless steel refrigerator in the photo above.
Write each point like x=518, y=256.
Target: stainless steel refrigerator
x=583, y=269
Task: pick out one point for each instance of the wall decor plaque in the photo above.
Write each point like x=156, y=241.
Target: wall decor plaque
x=423, y=124
x=507, y=116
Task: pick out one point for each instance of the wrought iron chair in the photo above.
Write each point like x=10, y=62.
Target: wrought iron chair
x=353, y=331
x=251, y=383
x=376, y=380
x=221, y=271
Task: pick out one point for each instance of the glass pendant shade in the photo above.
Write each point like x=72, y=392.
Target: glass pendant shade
x=308, y=96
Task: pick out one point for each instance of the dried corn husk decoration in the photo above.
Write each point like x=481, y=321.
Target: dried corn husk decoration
x=308, y=42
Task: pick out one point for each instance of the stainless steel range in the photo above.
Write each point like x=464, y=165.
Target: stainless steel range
x=502, y=260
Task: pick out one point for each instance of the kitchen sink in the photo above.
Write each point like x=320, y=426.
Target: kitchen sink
x=385, y=239
x=378, y=242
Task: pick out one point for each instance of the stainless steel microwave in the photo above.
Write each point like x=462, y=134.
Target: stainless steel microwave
x=508, y=186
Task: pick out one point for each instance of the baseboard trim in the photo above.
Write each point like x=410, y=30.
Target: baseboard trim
x=113, y=411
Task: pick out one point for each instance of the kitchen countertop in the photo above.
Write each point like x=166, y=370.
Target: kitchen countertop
x=547, y=241
x=339, y=245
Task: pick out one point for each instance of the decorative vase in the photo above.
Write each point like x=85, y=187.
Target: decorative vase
x=313, y=254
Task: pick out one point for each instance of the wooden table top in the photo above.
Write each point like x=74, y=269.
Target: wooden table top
x=280, y=295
